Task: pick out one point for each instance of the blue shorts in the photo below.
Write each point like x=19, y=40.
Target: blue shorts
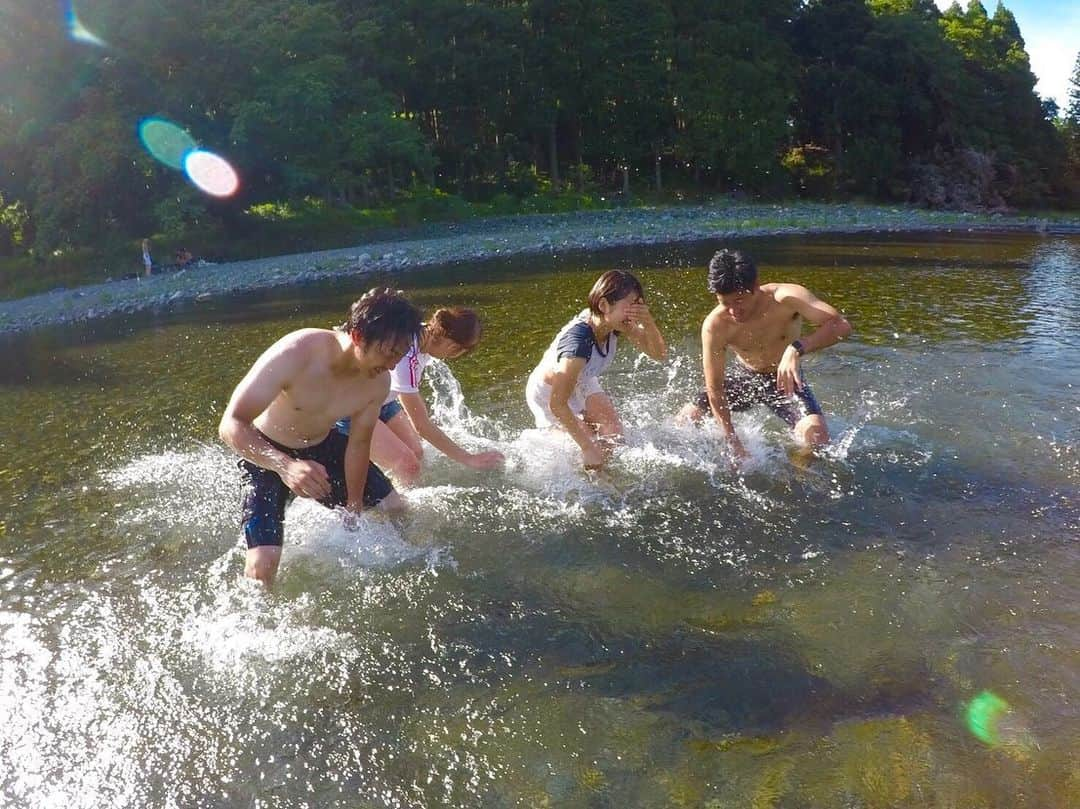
x=265, y=494
x=386, y=412
x=746, y=387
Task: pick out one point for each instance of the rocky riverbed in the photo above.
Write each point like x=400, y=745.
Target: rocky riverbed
x=496, y=238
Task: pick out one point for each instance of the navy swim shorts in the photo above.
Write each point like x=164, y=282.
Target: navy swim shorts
x=265, y=494
x=746, y=387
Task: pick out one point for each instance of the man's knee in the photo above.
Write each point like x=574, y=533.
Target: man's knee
x=392, y=503
x=690, y=413
x=812, y=431
x=262, y=563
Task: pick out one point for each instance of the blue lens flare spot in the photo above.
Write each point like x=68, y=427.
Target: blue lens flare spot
x=166, y=142
x=79, y=32
x=211, y=173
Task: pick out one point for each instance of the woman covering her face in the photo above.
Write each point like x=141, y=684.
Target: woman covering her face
x=564, y=389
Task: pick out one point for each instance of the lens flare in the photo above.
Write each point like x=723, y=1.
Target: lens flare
x=211, y=173
x=984, y=713
x=166, y=142
x=79, y=32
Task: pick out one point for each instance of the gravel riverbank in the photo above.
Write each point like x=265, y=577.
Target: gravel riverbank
x=496, y=238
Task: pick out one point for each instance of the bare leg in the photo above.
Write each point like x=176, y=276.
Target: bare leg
x=262, y=563
x=600, y=413
x=402, y=427
x=393, y=455
x=393, y=503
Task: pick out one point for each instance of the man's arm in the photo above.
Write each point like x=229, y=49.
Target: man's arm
x=831, y=328
x=417, y=411
x=358, y=450
x=713, y=355
x=268, y=377
x=563, y=381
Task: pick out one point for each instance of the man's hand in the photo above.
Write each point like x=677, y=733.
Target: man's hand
x=787, y=372
x=350, y=518
x=484, y=460
x=307, y=479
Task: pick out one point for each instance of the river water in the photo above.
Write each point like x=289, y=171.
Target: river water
x=895, y=623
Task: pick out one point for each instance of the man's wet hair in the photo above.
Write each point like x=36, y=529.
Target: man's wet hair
x=613, y=286
x=732, y=271
x=383, y=316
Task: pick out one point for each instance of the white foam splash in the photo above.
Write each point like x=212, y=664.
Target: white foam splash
x=372, y=541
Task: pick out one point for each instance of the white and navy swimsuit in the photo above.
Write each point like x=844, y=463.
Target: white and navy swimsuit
x=575, y=339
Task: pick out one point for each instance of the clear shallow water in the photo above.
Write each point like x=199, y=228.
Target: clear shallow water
x=670, y=634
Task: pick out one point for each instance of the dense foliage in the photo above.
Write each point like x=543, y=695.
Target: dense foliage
x=356, y=102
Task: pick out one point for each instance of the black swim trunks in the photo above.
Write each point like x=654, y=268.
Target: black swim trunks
x=746, y=387
x=265, y=493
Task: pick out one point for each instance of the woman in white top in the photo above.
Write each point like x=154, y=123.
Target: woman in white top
x=564, y=389
x=404, y=418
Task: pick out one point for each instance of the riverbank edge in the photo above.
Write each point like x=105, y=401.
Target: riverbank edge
x=499, y=239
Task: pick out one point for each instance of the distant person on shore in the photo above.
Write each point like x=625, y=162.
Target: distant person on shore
x=183, y=258
x=148, y=263
x=564, y=389
x=762, y=325
x=281, y=419
x=404, y=418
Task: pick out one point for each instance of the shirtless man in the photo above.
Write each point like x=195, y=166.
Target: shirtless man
x=281, y=416
x=762, y=326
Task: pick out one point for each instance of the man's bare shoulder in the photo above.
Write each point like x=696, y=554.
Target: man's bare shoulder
x=716, y=323
x=298, y=352
x=308, y=342
x=785, y=292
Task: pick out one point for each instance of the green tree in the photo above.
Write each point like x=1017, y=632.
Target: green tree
x=636, y=114
x=13, y=221
x=733, y=88
x=1069, y=127
x=1008, y=121
x=561, y=85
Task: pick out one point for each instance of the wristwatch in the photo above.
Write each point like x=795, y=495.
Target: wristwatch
x=798, y=346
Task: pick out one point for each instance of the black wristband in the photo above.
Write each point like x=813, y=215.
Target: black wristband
x=798, y=346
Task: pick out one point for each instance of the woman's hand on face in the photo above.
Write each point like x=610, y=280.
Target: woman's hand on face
x=637, y=314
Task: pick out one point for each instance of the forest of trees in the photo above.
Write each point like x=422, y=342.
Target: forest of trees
x=356, y=102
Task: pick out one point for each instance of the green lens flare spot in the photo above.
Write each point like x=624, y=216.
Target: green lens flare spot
x=166, y=142
x=984, y=712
